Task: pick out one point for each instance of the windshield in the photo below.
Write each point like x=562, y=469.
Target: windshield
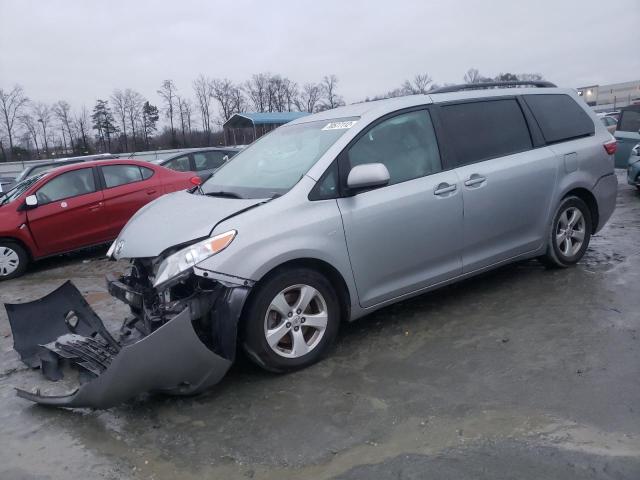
x=276, y=162
x=19, y=189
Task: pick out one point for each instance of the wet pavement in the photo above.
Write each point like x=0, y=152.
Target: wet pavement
x=520, y=373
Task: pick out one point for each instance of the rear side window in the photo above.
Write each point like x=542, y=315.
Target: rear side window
x=482, y=130
x=629, y=121
x=116, y=175
x=560, y=118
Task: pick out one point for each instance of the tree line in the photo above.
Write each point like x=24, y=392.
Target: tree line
x=126, y=121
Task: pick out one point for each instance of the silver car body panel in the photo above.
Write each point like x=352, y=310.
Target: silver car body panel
x=174, y=219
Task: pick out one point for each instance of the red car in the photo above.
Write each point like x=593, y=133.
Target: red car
x=77, y=206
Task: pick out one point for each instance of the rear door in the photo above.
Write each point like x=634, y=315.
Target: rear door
x=627, y=134
x=407, y=235
x=70, y=213
x=127, y=188
x=506, y=184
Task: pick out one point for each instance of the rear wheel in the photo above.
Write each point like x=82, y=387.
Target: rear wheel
x=291, y=321
x=569, y=234
x=13, y=260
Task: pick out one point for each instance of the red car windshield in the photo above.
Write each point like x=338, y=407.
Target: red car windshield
x=19, y=189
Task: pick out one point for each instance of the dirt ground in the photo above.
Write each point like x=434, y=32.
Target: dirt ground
x=521, y=373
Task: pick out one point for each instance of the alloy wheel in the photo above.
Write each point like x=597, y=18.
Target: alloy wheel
x=296, y=321
x=570, y=231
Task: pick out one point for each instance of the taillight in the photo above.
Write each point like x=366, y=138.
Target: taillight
x=196, y=181
x=611, y=147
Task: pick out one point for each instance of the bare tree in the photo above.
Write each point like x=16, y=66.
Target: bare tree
x=225, y=92
x=31, y=127
x=419, y=85
x=12, y=103
x=42, y=114
x=168, y=93
x=238, y=101
x=62, y=112
x=203, y=88
x=474, y=76
x=309, y=97
x=133, y=102
x=185, y=112
x=257, y=89
x=331, y=98
x=82, y=126
x=119, y=102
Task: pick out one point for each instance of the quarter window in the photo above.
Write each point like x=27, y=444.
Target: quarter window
x=146, y=173
x=116, y=175
x=406, y=144
x=67, y=185
x=560, y=117
x=482, y=130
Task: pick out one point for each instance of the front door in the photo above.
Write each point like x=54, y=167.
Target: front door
x=407, y=235
x=69, y=213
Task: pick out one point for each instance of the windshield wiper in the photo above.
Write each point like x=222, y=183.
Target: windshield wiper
x=223, y=194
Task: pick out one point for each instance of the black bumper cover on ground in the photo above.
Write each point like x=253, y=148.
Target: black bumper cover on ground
x=172, y=359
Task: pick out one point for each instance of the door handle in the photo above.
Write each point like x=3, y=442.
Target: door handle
x=474, y=179
x=95, y=207
x=151, y=192
x=444, y=188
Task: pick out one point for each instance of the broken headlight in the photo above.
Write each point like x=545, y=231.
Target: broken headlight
x=184, y=259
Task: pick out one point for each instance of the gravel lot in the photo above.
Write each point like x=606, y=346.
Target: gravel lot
x=520, y=373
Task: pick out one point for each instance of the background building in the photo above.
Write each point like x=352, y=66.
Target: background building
x=611, y=97
x=244, y=128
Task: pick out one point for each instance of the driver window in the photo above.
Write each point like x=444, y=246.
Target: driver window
x=406, y=144
x=67, y=185
x=180, y=164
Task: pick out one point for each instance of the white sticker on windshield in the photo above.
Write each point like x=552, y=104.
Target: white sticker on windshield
x=340, y=125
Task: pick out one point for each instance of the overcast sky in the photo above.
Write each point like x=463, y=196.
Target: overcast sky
x=81, y=50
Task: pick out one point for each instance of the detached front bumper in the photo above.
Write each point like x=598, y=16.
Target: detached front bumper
x=183, y=353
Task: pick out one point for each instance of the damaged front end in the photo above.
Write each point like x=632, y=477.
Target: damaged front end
x=179, y=340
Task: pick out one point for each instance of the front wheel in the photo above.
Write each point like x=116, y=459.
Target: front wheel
x=569, y=235
x=13, y=260
x=291, y=321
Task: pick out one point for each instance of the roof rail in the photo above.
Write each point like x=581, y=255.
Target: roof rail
x=483, y=85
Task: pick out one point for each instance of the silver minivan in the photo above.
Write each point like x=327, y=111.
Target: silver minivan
x=340, y=213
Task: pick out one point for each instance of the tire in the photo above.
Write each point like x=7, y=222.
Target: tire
x=13, y=260
x=569, y=236
x=267, y=315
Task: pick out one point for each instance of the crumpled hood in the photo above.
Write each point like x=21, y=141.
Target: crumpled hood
x=174, y=219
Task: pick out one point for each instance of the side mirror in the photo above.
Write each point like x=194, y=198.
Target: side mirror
x=368, y=175
x=31, y=201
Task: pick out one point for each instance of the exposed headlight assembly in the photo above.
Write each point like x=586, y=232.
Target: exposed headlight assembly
x=184, y=259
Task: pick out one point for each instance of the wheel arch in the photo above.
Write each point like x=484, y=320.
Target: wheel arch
x=587, y=197
x=20, y=243
x=320, y=266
